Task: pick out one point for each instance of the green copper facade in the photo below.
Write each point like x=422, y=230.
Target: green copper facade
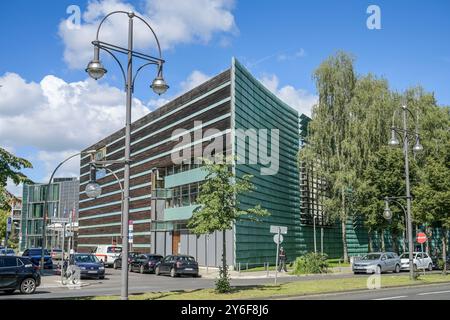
x=255, y=107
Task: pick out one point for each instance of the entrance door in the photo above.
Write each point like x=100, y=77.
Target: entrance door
x=175, y=242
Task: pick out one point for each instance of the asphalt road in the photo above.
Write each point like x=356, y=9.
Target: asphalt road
x=422, y=292
x=139, y=283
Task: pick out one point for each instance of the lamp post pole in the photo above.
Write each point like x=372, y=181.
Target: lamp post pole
x=417, y=148
x=159, y=86
x=408, y=194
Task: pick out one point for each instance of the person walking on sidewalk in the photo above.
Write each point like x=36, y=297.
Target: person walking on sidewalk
x=282, y=260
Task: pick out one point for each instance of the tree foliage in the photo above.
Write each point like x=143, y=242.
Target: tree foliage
x=10, y=168
x=347, y=141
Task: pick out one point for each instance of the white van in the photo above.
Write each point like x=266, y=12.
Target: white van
x=107, y=254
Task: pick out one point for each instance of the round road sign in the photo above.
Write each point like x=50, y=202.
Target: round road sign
x=275, y=238
x=421, y=237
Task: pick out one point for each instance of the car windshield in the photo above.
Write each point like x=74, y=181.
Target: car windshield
x=86, y=258
x=8, y=251
x=154, y=258
x=37, y=252
x=371, y=257
x=114, y=250
x=190, y=259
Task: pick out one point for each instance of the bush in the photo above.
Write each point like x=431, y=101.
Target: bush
x=223, y=283
x=311, y=263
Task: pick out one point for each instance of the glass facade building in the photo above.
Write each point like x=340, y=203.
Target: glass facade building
x=62, y=203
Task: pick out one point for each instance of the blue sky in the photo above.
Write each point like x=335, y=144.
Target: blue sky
x=279, y=41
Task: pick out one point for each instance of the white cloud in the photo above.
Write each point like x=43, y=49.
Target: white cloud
x=175, y=22
x=13, y=189
x=62, y=117
x=299, y=99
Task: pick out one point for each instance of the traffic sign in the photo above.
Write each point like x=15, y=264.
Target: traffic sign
x=275, y=229
x=421, y=237
x=9, y=224
x=130, y=231
x=275, y=239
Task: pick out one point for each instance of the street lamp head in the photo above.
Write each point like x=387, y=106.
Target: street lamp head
x=93, y=190
x=95, y=69
x=387, y=213
x=394, y=141
x=418, y=146
x=159, y=85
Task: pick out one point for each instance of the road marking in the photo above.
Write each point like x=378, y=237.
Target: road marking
x=391, y=298
x=430, y=293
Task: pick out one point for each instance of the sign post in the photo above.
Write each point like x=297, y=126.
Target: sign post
x=130, y=233
x=422, y=238
x=278, y=239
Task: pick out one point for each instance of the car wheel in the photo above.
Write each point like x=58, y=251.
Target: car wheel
x=102, y=277
x=173, y=274
x=397, y=269
x=141, y=270
x=28, y=286
x=157, y=271
x=430, y=267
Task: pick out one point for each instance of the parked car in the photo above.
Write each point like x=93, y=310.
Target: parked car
x=421, y=260
x=57, y=254
x=35, y=255
x=108, y=254
x=118, y=262
x=145, y=263
x=7, y=252
x=176, y=265
x=90, y=266
x=377, y=262
x=18, y=273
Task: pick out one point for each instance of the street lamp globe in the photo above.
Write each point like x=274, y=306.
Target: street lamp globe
x=418, y=146
x=95, y=69
x=93, y=190
x=394, y=141
x=387, y=213
x=159, y=85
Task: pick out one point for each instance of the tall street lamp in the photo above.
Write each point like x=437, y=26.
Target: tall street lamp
x=405, y=134
x=96, y=70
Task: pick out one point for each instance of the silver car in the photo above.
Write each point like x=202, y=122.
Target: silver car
x=377, y=262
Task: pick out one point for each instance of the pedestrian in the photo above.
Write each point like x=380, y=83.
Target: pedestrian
x=282, y=260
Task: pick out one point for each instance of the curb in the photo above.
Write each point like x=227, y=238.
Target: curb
x=333, y=293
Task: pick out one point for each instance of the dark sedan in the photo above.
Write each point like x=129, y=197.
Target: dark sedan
x=18, y=273
x=35, y=254
x=176, y=265
x=118, y=262
x=90, y=266
x=145, y=263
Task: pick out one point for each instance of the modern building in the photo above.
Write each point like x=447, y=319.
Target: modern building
x=231, y=113
x=63, y=203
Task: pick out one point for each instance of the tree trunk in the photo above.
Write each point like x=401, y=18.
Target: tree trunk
x=344, y=240
x=370, y=241
x=224, y=254
x=444, y=250
x=344, y=227
x=394, y=243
